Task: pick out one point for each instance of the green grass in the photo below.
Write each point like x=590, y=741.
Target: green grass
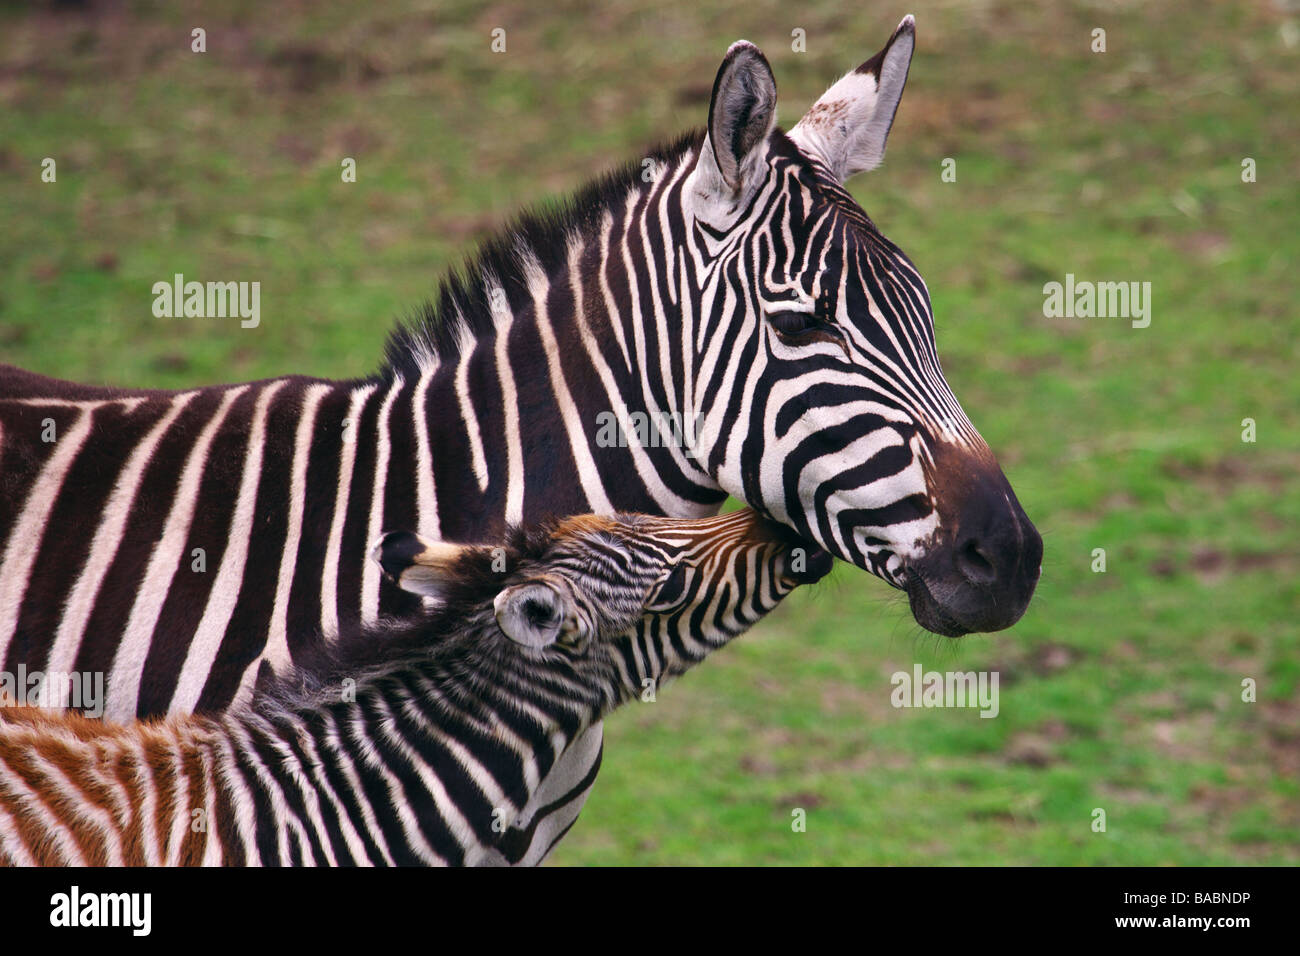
x=1120, y=690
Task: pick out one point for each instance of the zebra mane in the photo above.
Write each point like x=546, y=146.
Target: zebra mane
x=462, y=310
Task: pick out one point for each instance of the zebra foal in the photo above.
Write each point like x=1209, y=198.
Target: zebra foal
x=419, y=742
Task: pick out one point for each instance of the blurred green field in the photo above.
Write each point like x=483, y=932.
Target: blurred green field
x=1119, y=690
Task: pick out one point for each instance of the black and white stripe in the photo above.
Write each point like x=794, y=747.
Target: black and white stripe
x=741, y=289
x=415, y=743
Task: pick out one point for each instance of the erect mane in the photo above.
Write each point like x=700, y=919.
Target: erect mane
x=462, y=311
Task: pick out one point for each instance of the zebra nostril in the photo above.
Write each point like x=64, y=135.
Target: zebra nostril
x=974, y=565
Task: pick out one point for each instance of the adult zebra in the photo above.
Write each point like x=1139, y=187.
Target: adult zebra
x=741, y=292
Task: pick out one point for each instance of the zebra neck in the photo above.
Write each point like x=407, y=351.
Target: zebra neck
x=556, y=374
x=538, y=420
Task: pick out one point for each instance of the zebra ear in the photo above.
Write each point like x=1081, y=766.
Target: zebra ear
x=416, y=564
x=742, y=113
x=847, y=127
x=536, y=613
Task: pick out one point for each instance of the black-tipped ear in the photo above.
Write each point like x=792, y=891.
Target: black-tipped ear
x=416, y=564
x=742, y=111
x=536, y=613
x=847, y=127
x=396, y=551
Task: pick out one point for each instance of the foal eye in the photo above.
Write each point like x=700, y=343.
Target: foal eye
x=672, y=590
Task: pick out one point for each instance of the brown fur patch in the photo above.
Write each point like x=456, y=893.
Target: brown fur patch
x=580, y=525
x=97, y=759
x=825, y=115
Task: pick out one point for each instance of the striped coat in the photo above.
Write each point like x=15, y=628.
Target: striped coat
x=190, y=545
x=414, y=743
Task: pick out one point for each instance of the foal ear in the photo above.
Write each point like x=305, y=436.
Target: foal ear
x=537, y=613
x=847, y=127
x=416, y=564
x=742, y=113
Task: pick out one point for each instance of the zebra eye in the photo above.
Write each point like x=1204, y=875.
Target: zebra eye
x=671, y=591
x=804, y=328
x=789, y=322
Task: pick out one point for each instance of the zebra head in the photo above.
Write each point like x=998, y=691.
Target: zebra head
x=624, y=602
x=818, y=393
